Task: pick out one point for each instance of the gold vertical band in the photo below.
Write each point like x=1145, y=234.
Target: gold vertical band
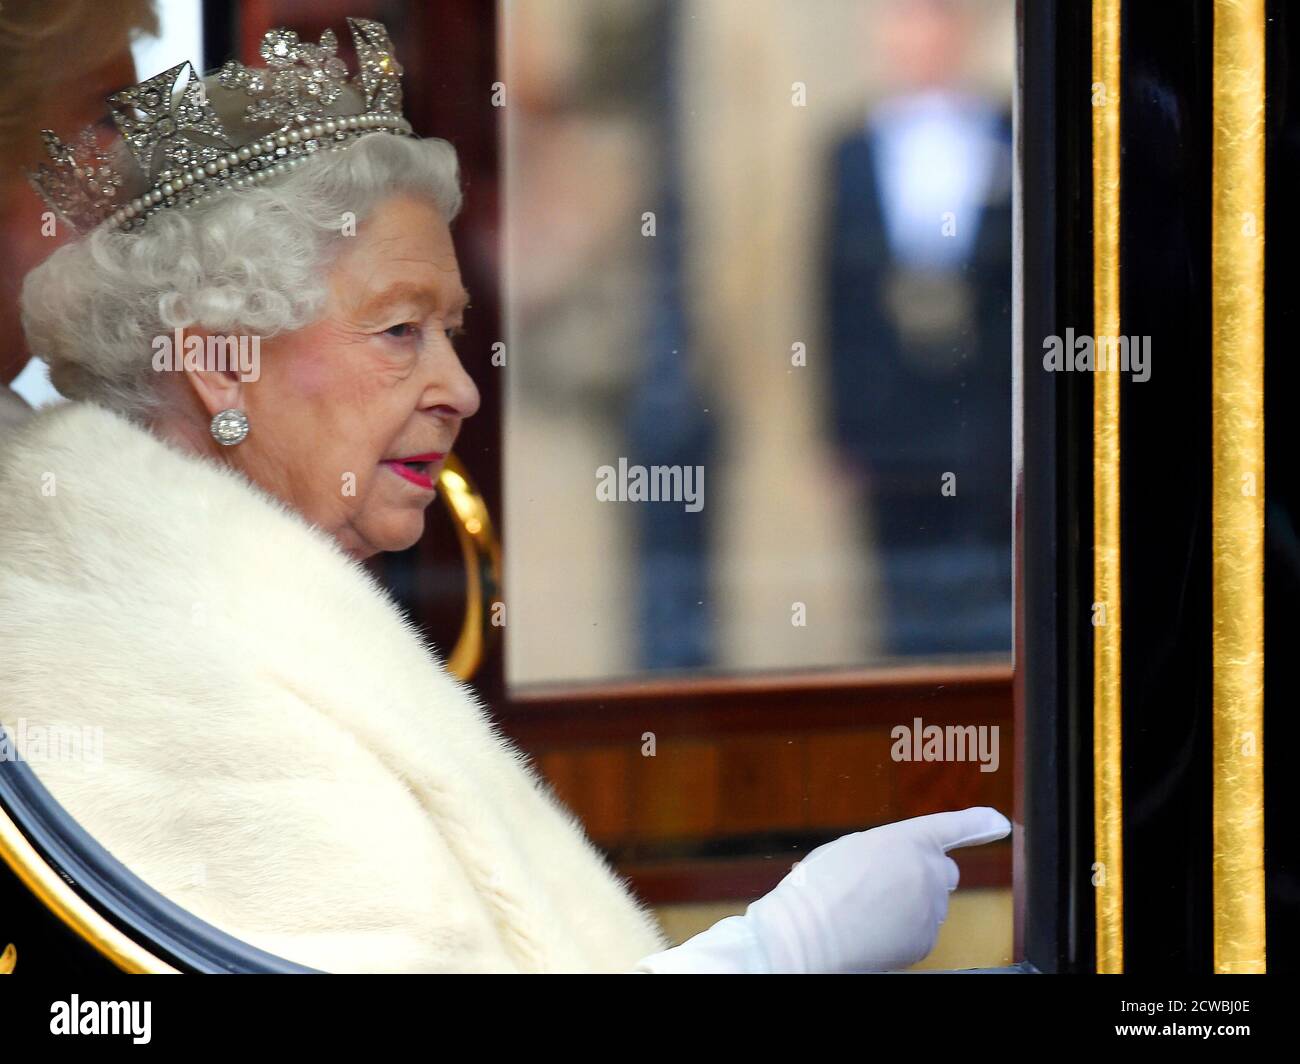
x=1237, y=228
x=1106, y=699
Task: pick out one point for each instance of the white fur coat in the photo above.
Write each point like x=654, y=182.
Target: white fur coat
x=282, y=753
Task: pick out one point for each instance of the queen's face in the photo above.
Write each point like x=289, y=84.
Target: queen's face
x=353, y=416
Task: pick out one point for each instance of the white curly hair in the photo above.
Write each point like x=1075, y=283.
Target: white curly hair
x=251, y=260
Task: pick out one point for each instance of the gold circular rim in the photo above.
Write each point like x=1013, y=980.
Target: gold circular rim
x=38, y=876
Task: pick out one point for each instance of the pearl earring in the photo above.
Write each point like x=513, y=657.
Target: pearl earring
x=229, y=427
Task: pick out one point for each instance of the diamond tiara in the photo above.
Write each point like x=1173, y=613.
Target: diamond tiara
x=182, y=141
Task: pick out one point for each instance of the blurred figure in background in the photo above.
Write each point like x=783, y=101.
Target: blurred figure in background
x=60, y=59
x=602, y=362
x=919, y=291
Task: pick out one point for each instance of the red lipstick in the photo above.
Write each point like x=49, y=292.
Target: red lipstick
x=416, y=469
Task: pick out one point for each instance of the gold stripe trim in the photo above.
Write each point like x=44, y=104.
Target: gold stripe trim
x=1237, y=228
x=70, y=907
x=1108, y=806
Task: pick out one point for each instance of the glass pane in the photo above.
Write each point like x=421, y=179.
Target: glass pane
x=758, y=281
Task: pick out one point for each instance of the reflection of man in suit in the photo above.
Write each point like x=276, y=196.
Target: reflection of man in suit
x=919, y=288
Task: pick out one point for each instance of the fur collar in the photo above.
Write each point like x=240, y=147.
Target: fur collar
x=282, y=753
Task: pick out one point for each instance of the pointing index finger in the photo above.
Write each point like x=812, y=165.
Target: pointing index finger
x=964, y=827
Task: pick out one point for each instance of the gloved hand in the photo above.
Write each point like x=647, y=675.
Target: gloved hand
x=870, y=901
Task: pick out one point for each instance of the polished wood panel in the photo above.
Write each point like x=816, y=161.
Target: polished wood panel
x=743, y=879
x=542, y=715
x=742, y=776
x=848, y=778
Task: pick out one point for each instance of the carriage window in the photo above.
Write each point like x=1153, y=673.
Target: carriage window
x=741, y=325
x=758, y=279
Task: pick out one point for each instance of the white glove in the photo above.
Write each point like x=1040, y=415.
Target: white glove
x=870, y=901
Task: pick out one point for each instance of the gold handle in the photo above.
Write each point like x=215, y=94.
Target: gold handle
x=482, y=554
x=8, y=959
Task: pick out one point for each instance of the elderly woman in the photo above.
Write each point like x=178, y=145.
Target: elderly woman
x=181, y=547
